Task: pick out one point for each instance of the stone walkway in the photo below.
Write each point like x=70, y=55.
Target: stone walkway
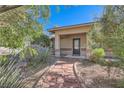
x=60, y=76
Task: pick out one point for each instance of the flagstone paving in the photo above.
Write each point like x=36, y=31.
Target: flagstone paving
x=60, y=76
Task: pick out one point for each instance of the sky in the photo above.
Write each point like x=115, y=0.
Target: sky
x=71, y=15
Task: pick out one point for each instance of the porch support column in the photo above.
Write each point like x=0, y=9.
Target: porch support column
x=87, y=47
x=57, y=45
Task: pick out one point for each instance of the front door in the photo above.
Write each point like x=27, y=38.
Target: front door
x=76, y=46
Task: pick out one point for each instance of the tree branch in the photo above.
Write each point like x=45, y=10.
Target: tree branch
x=4, y=8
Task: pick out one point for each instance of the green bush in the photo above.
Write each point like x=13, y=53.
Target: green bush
x=119, y=84
x=97, y=54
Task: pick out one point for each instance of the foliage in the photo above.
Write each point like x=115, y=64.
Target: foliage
x=120, y=84
x=10, y=76
x=4, y=59
x=110, y=35
x=97, y=54
x=96, y=38
x=42, y=56
x=43, y=40
x=111, y=30
x=18, y=25
x=18, y=28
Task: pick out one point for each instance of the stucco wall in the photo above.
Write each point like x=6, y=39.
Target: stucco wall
x=66, y=44
x=67, y=41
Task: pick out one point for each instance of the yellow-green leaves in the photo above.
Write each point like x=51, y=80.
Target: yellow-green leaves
x=18, y=25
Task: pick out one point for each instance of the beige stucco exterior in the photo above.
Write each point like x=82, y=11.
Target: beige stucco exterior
x=64, y=40
x=66, y=43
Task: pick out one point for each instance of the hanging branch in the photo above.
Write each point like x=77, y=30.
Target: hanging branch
x=4, y=8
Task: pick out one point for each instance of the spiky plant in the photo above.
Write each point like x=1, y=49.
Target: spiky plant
x=10, y=76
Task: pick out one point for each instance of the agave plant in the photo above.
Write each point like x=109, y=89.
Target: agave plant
x=10, y=76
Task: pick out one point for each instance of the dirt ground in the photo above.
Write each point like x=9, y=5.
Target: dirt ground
x=91, y=75
x=96, y=76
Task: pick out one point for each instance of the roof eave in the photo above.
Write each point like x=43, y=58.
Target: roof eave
x=67, y=27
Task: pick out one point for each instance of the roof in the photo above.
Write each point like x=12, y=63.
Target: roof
x=70, y=26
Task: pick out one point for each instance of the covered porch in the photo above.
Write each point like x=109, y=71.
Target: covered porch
x=72, y=45
x=71, y=41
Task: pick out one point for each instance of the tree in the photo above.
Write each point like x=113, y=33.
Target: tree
x=111, y=29
x=43, y=40
x=4, y=8
x=18, y=26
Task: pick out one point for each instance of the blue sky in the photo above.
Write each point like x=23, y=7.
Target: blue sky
x=72, y=15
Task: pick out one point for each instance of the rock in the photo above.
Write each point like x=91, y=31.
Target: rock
x=88, y=81
x=49, y=78
x=60, y=80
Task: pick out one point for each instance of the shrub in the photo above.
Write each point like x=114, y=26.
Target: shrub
x=40, y=58
x=97, y=54
x=119, y=84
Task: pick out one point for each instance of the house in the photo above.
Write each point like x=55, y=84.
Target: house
x=71, y=40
